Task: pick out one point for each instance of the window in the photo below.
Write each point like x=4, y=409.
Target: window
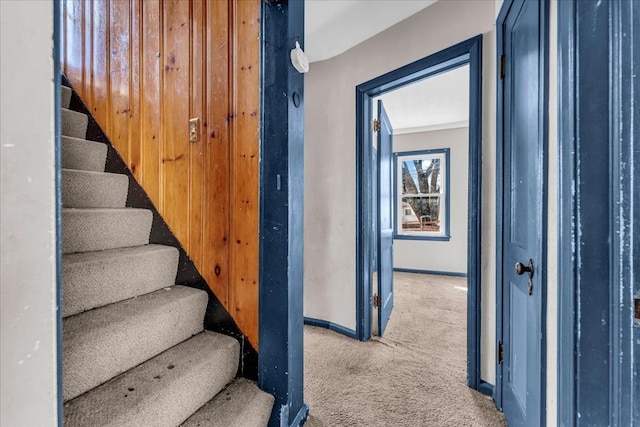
x=422, y=195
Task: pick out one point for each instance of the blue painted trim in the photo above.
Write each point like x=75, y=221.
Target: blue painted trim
x=57, y=76
x=500, y=180
x=499, y=188
x=599, y=69
x=281, y=355
x=301, y=417
x=486, y=388
x=447, y=197
x=331, y=326
x=430, y=238
x=434, y=272
x=466, y=52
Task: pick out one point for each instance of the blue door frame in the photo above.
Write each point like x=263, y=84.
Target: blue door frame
x=466, y=52
x=599, y=206
x=280, y=359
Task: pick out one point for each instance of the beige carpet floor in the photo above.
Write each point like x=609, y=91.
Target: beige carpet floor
x=414, y=376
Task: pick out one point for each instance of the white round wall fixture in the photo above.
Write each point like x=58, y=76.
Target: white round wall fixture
x=299, y=59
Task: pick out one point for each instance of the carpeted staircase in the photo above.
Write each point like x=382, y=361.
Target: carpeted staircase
x=135, y=352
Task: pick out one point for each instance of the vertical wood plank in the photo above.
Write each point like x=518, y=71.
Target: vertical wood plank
x=98, y=103
x=75, y=44
x=135, y=142
x=87, y=58
x=118, y=123
x=176, y=119
x=151, y=136
x=245, y=169
x=196, y=155
x=216, y=227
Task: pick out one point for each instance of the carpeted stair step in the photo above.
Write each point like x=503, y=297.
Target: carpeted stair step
x=84, y=189
x=102, y=343
x=95, y=279
x=74, y=124
x=85, y=230
x=65, y=96
x=241, y=404
x=163, y=391
x=80, y=154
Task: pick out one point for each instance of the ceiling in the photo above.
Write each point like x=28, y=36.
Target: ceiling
x=334, y=26
x=439, y=102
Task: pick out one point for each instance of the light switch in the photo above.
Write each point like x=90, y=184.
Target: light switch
x=194, y=130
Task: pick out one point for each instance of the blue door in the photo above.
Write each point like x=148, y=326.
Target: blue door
x=522, y=215
x=385, y=218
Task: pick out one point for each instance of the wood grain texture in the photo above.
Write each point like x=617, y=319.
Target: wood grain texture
x=216, y=197
x=245, y=155
x=144, y=68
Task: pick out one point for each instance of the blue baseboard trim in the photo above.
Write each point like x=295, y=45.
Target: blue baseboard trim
x=486, y=388
x=437, y=273
x=331, y=326
x=301, y=417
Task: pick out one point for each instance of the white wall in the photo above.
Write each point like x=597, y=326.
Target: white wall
x=330, y=209
x=435, y=255
x=27, y=222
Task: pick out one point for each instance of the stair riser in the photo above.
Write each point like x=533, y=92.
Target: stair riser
x=74, y=124
x=105, y=342
x=84, y=230
x=83, y=155
x=154, y=395
x=81, y=189
x=96, y=283
x=65, y=96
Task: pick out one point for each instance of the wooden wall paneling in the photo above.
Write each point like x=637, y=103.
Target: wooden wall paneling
x=118, y=110
x=175, y=119
x=144, y=68
x=135, y=142
x=99, y=54
x=73, y=61
x=87, y=62
x=150, y=97
x=216, y=200
x=245, y=177
x=196, y=152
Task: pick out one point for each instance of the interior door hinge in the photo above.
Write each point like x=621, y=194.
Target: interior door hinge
x=500, y=351
x=376, y=125
x=377, y=301
x=502, y=67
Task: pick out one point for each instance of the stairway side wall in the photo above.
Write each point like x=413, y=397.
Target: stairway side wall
x=144, y=68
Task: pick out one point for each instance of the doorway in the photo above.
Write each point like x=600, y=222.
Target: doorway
x=465, y=53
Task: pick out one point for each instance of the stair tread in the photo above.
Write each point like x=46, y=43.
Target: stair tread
x=106, y=254
x=91, y=189
x=82, y=154
x=240, y=404
x=97, y=278
x=163, y=391
x=102, y=343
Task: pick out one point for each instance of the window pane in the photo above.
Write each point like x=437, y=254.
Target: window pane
x=421, y=176
x=421, y=213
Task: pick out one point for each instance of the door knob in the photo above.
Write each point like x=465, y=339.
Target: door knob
x=521, y=268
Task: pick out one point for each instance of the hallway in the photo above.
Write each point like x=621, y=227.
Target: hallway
x=414, y=376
